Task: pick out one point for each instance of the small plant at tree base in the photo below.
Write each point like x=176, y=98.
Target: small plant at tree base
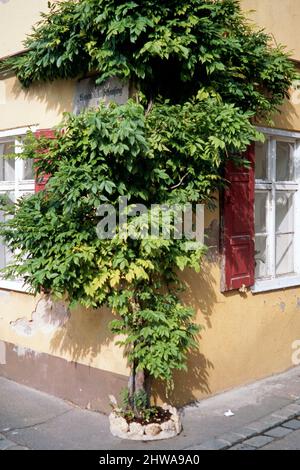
x=202, y=76
x=136, y=408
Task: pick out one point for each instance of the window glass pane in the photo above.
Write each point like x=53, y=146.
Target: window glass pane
x=284, y=212
x=261, y=199
x=284, y=161
x=261, y=256
x=2, y=247
x=28, y=170
x=7, y=165
x=9, y=257
x=5, y=254
x=2, y=256
x=9, y=170
x=284, y=254
x=261, y=151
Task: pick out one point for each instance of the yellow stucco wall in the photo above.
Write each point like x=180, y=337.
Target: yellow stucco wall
x=85, y=337
x=41, y=104
x=245, y=336
x=16, y=19
x=280, y=18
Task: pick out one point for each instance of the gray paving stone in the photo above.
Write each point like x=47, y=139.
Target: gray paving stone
x=288, y=411
x=242, y=447
x=5, y=444
x=61, y=424
x=295, y=406
x=272, y=420
x=293, y=424
x=18, y=448
x=263, y=424
x=215, y=444
x=232, y=437
x=258, y=426
x=246, y=432
x=278, y=432
x=258, y=441
x=289, y=442
x=197, y=447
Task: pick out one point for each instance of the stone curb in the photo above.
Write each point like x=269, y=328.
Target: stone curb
x=5, y=444
x=251, y=430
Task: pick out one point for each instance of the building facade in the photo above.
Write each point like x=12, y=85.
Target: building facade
x=247, y=295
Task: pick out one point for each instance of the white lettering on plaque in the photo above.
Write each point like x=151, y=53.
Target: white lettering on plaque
x=89, y=95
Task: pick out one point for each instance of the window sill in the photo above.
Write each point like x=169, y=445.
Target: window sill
x=16, y=286
x=275, y=284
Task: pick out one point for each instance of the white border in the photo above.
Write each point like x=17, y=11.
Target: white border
x=279, y=132
x=275, y=284
x=16, y=285
x=259, y=286
x=293, y=280
x=18, y=131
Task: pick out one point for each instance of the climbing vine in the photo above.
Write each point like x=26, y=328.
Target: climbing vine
x=202, y=74
x=172, y=48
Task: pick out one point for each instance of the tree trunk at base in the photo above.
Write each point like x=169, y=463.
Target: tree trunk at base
x=136, y=384
x=148, y=388
x=138, y=380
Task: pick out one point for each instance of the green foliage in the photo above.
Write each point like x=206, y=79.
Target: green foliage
x=136, y=407
x=172, y=48
x=139, y=411
x=171, y=155
x=162, y=334
x=125, y=399
x=202, y=75
x=139, y=400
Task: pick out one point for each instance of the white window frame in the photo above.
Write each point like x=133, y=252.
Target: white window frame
x=19, y=186
x=291, y=280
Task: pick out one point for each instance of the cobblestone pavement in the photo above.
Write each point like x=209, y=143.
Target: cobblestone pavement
x=266, y=415
x=7, y=444
x=283, y=437
x=279, y=431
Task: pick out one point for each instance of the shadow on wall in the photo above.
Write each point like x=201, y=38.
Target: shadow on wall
x=201, y=295
x=187, y=384
x=87, y=331
x=201, y=292
x=57, y=96
x=84, y=335
x=288, y=116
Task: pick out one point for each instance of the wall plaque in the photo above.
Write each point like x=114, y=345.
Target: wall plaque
x=89, y=95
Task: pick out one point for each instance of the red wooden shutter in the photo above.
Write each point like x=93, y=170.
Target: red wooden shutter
x=238, y=226
x=41, y=181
